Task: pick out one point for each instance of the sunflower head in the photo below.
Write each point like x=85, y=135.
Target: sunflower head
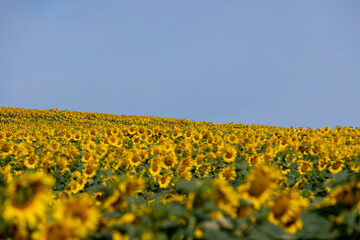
x=259, y=185
x=80, y=211
x=28, y=197
x=286, y=209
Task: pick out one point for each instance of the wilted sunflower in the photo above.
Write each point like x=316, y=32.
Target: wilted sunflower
x=27, y=199
x=259, y=185
x=286, y=209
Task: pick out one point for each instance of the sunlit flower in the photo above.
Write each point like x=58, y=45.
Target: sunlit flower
x=305, y=166
x=259, y=185
x=81, y=211
x=336, y=166
x=27, y=199
x=229, y=154
x=228, y=173
x=286, y=209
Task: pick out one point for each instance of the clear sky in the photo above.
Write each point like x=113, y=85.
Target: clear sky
x=283, y=63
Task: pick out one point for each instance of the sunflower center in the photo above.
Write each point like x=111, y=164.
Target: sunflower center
x=259, y=185
x=281, y=206
x=163, y=180
x=336, y=165
x=168, y=161
x=227, y=174
x=89, y=170
x=31, y=161
x=304, y=167
x=6, y=147
x=23, y=196
x=135, y=159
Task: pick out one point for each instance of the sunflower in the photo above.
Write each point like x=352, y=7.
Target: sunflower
x=169, y=161
x=259, y=185
x=164, y=180
x=6, y=148
x=199, y=160
x=132, y=129
x=57, y=230
x=114, y=141
x=348, y=195
x=255, y=159
x=229, y=154
x=28, y=196
x=133, y=159
x=285, y=211
x=155, y=169
x=80, y=211
x=228, y=173
x=131, y=186
x=184, y=173
x=197, y=137
x=355, y=166
x=32, y=161
x=188, y=135
x=203, y=170
x=322, y=164
x=89, y=170
x=336, y=166
x=125, y=187
x=119, y=236
x=305, y=166
x=115, y=202
x=226, y=198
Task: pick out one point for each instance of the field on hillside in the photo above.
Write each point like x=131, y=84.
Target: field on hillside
x=72, y=175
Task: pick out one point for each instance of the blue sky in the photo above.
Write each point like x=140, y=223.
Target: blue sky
x=283, y=63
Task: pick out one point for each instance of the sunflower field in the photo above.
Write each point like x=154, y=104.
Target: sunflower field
x=74, y=175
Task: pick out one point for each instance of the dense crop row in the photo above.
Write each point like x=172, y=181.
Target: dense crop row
x=71, y=175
